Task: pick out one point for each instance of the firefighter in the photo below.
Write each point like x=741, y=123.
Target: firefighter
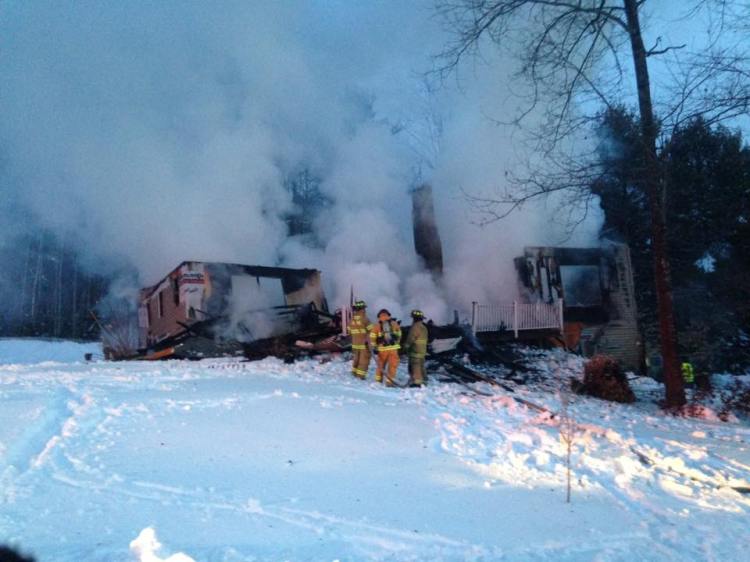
x=688, y=373
x=385, y=340
x=358, y=330
x=416, y=348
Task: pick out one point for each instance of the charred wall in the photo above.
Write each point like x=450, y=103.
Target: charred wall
x=598, y=292
x=197, y=291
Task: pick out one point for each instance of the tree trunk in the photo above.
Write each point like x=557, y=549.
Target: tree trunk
x=74, y=329
x=654, y=183
x=36, y=283
x=58, y=322
x=25, y=284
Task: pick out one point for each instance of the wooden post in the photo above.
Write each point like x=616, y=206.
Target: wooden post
x=474, y=316
x=515, y=318
x=562, y=320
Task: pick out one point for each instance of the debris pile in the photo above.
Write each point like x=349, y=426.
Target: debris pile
x=603, y=378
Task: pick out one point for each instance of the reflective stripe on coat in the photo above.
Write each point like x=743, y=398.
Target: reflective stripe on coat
x=358, y=329
x=416, y=341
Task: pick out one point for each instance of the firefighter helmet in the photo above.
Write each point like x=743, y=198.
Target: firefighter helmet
x=417, y=314
x=383, y=311
x=359, y=305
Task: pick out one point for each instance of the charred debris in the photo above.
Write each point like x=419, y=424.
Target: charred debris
x=578, y=298
x=210, y=309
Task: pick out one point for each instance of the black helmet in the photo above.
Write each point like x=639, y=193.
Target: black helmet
x=417, y=314
x=359, y=305
x=383, y=311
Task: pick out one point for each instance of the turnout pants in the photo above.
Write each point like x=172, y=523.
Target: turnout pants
x=360, y=362
x=388, y=363
x=416, y=370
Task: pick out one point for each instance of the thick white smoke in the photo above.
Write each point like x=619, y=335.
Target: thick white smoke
x=158, y=132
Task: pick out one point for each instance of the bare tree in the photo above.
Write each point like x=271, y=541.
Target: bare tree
x=573, y=54
x=38, y=272
x=421, y=127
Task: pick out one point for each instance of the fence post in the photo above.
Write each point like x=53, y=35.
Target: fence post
x=562, y=320
x=474, y=316
x=515, y=318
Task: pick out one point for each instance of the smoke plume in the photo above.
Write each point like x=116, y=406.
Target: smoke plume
x=152, y=133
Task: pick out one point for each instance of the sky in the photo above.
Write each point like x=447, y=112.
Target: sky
x=151, y=133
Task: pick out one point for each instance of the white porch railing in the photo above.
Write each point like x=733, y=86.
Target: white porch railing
x=517, y=317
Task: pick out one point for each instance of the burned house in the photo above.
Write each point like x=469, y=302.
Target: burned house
x=221, y=304
x=595, y=289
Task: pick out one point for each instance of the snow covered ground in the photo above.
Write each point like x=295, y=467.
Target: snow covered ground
x=31, y=350
x=227, y=461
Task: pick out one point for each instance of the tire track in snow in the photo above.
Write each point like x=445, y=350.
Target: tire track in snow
x=36, y=453
x=23, y=454
x=69, y=428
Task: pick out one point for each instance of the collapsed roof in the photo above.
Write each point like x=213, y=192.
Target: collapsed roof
x=228, y=302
